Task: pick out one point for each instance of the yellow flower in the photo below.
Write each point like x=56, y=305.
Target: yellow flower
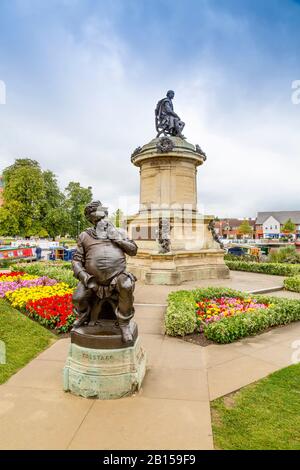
x=24, y=277
x=20, y=297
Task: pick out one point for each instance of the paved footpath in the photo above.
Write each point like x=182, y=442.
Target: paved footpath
x=172, y=409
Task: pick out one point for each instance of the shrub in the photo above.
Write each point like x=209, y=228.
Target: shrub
x=61, y=271
x=180, y=317
x=227, y=330
x=278, y=269
x=288, y=254
x=292, y=283
x=245, y=257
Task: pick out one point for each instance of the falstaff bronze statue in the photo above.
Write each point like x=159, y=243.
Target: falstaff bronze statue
x=99, y=264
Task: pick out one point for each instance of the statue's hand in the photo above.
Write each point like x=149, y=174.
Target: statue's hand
x=113, y=233
x=92, y=284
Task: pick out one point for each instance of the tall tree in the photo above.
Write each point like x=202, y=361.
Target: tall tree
x=289, y=227
x=245, y=228
x=77, y=198
x=23, y=194
x=53, y=212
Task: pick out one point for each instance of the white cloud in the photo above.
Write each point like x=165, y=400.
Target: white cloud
x=96, y=106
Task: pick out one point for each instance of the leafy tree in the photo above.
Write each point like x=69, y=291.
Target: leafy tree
x=289, y=227
x=54, y=213
x=23, y=194
x=34, y=205
x=9, y=224
x=245, y=228
x=77, y=198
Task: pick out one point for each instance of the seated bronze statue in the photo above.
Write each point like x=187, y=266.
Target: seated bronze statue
x=99, y=264
x=167, y=122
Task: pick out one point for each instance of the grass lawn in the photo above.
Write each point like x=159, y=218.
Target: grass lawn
x=265, y=415
x=23, y=338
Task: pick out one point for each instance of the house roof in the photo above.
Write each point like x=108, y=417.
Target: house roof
x=280, y=216
x=234, y=223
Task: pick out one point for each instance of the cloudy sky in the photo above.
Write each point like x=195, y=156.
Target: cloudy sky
x=83, y=78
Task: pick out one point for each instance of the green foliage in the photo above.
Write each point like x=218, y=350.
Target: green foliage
x=180, y=318
x=289, y=227
x=261, y=416
x=245, y=257
x=292, y=283
x=227, y=330
x=35, y=206
x=23, y=195
x=61, y=271
x=245, y=228
x=279, y=269
x=287, y=254
x=53, y=211
x=23, y=339
x=77, y=198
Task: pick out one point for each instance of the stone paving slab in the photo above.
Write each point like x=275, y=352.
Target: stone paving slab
x=34, y=418
x=238, y=280
x=235, y=374
x=145, y=423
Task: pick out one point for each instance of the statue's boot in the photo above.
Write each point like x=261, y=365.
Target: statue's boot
x=126, y=332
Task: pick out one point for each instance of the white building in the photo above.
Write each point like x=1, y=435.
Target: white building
x=270, y=224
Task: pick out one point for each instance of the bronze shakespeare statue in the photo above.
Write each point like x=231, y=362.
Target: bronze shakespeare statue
x=167, y=122
x=99, y=264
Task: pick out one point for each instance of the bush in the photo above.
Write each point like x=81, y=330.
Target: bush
x=246, y=257
x=288, y=254
x=61, y=271
x=180, y=317
x=227, y=330
x=278, y=269
x=292, y=283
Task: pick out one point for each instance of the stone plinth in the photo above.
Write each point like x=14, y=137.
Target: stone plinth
x=104, y=373
x=168, y=189
x=169, y=177
x=178, y=267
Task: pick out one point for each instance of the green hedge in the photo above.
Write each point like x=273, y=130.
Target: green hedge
x=292, y=283
x=279, y=269
x=61, y=271
x=180, y=317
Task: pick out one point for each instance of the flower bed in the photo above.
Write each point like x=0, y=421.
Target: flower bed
x=41, y=298
x=53, y=312
x=212, y=310
x=59, y=270
x=225, y=315
x=19, y=283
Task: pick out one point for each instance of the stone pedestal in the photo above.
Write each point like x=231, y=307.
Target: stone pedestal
x=107, y=369
x=168, y=189
x=104, y=373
